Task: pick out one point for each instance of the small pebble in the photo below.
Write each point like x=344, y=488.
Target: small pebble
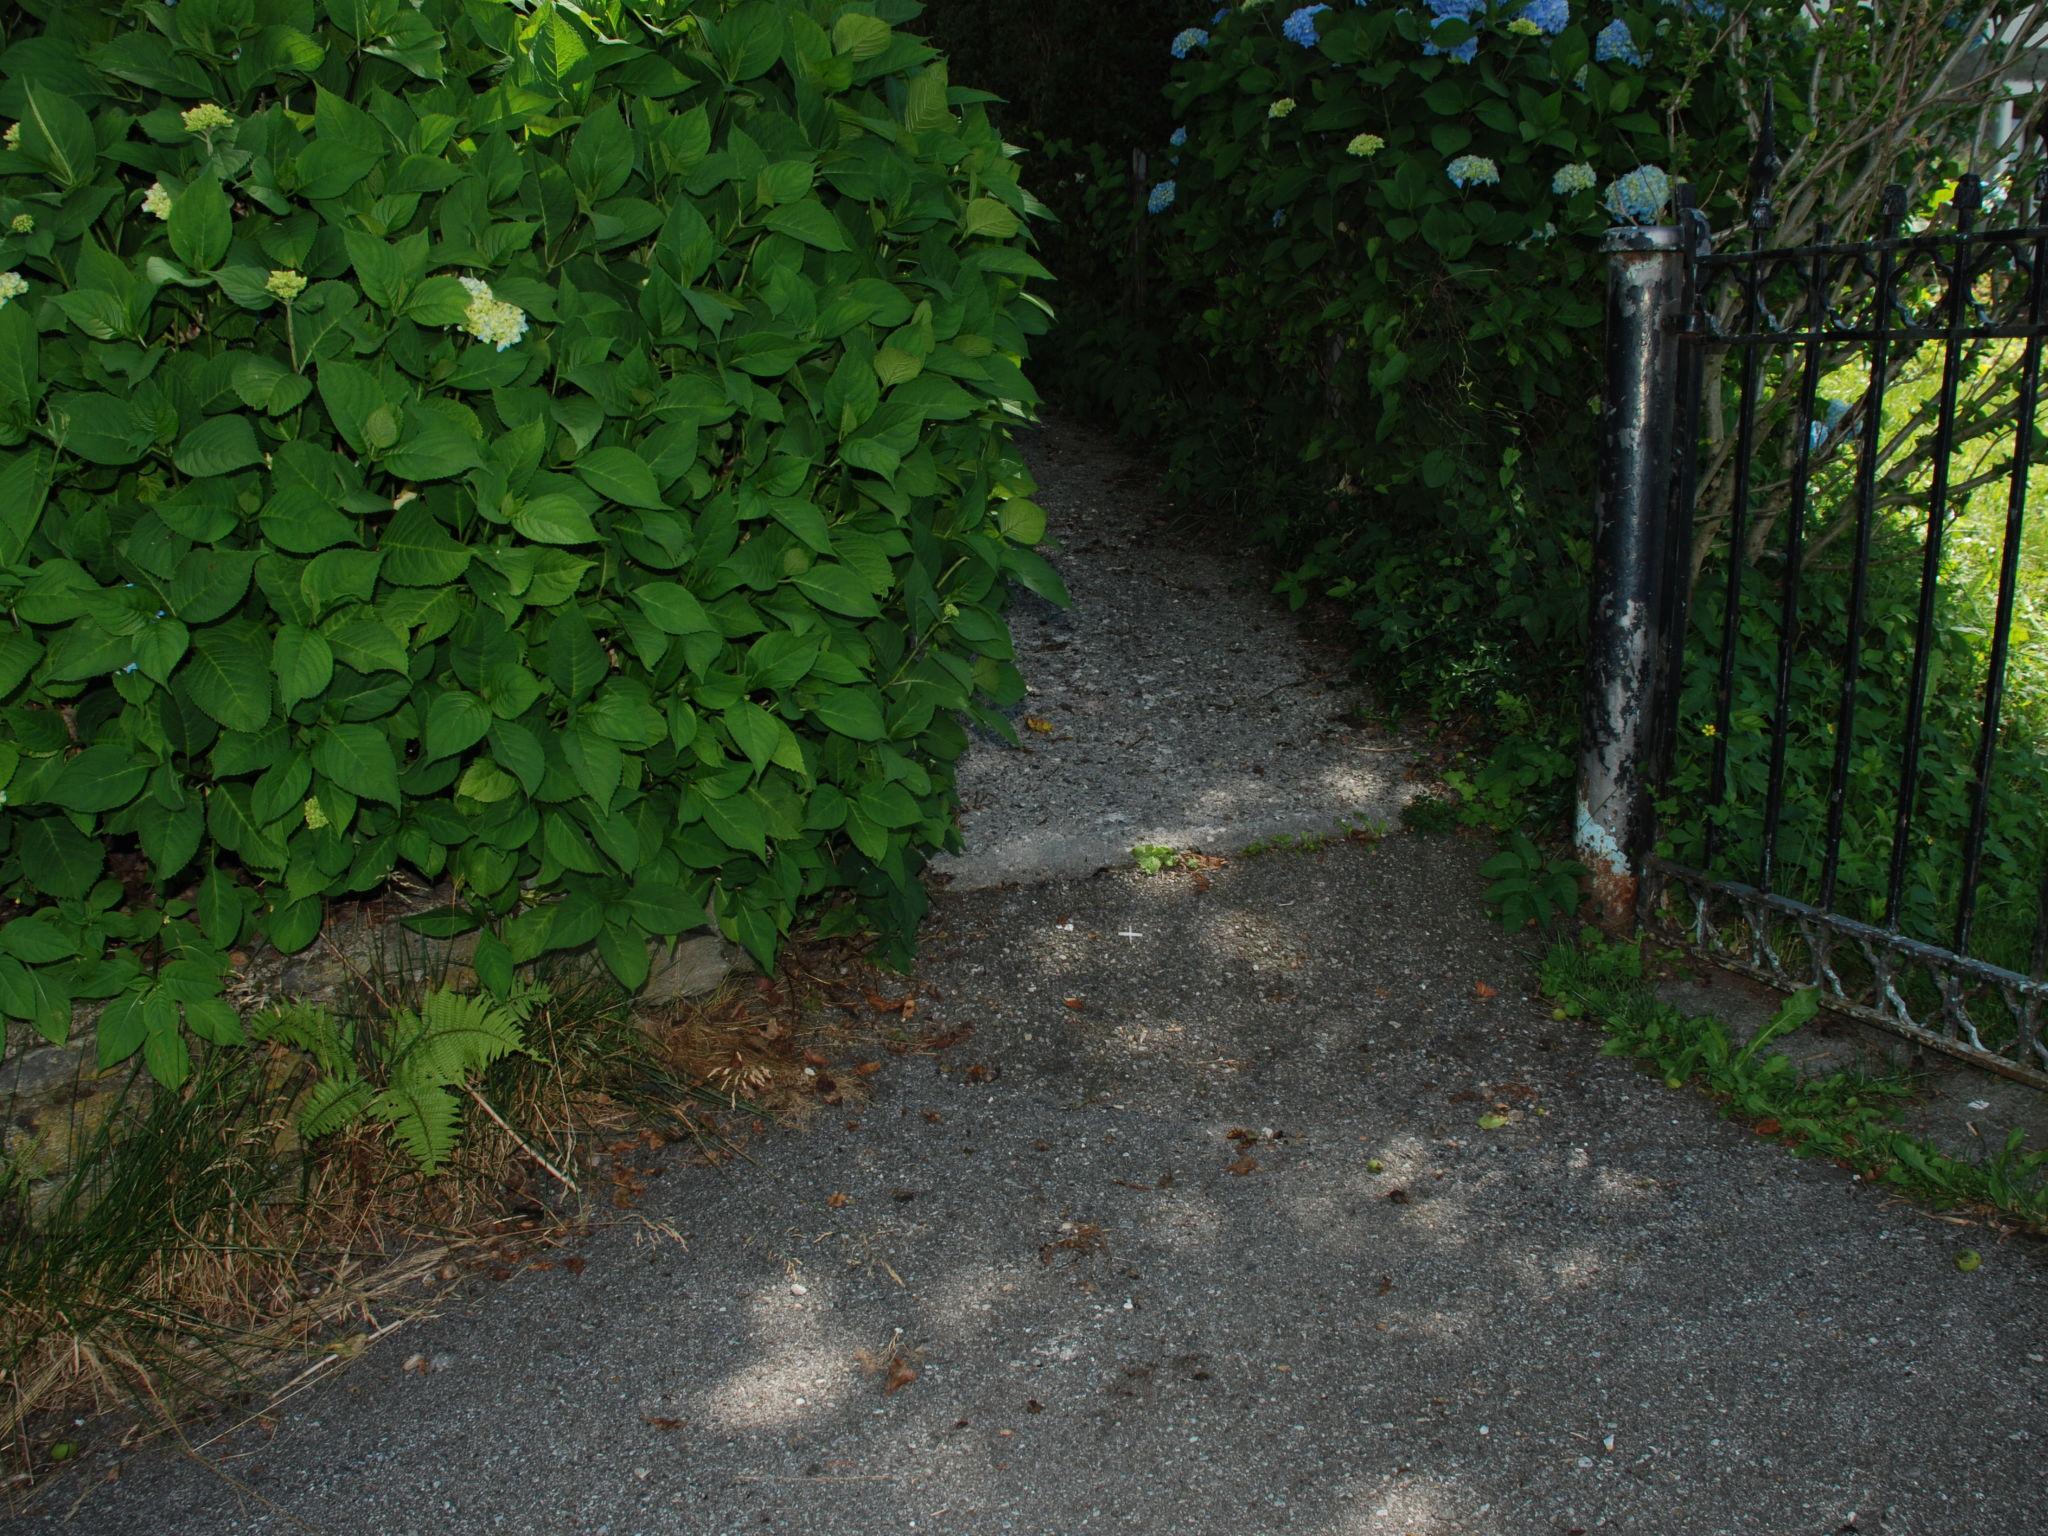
x=799, y=1290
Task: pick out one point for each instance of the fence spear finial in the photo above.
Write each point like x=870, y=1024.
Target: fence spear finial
x=1763, y=170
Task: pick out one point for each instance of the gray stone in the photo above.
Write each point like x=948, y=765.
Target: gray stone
x=695, y=965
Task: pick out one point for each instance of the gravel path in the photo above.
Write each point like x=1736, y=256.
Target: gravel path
x=1199, y=1232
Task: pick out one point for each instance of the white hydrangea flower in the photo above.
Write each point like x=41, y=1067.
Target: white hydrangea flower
x=12, y=286
x=157, y=200
x=205, y=118
x=490, y=318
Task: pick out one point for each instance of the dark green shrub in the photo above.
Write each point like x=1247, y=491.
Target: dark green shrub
x=1403, y=363
x=565, y=458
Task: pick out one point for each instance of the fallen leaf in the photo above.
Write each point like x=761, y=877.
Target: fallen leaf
x=900, y=1376
x=814, y=1058
x=979, y=1074
x=933, y=1117
x=1075, y=1003
x=1243, y=1166
x=1481, y=989
x=657, y=1422
x=417, y=1365
x=1042, y=726
x=1033, y=1405
x=1386, y=1284
x=575, y=1264
x=838, y=1199
x=867, y=1069
x=1398, y=1196
x=1492, y=1122
x=1767, y=1127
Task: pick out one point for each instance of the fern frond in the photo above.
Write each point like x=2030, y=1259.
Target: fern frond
x=314, y=1030
x=451, y=1037
x=334, y=1103
x=424, y=1118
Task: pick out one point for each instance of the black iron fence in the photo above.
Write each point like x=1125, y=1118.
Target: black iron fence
x=1817, y=714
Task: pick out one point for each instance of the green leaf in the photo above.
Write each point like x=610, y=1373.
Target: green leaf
x=360, y=760
x=34, y=997
x=381, y=268
x=265, y=384
x=852, y=712
x=576, y=663
x=351, y=393
x=860, y=37
x=456, y=721
x=164, y=1050
x=291, y=927
x=597, y=765
x=989, y=219
x=673, y=610
x=160, y=647
x=219, y=445
x=621, y=475
x=431, y=446
x=1022, y=521
x=925, y=110
x=837, y=589
x=738, y=823
x=786, y=181
x=35, y=941
x=56, y=858
x=219, y=909
x=303, y=662
x=810, y=222
x=103, y=777
x=56, y=133
x=555, y=519
x=227, y=677
x=754, y=731
x=418, y=551
x=201, y=224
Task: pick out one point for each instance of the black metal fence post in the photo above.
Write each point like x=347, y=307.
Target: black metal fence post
x=1618, y=711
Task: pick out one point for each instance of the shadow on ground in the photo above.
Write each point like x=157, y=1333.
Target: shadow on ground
x=1363, y=1314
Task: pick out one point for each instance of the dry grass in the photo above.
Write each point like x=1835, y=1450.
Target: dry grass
x=198, y=1254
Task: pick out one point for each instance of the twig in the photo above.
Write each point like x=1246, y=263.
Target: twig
x=520, y=1142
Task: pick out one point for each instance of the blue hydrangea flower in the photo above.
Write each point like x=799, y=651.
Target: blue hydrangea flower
x=1576, y=177
x=1218, y=18
x=1462, y=53
x=1161, y=198
x=1279, y=217
x=1639, y=196
x=1456, y=10
x=1178, y=137
x=1828, y=416
x=1473, y=171
x=1551, y=16
x=1615, y=43
x=1188, y=41
x=1301, y=26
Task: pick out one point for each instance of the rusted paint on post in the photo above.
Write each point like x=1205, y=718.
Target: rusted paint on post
x=1618, y=714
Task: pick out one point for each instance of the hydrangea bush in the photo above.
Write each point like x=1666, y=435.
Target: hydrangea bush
x=463, y=442
x=1383, y=240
